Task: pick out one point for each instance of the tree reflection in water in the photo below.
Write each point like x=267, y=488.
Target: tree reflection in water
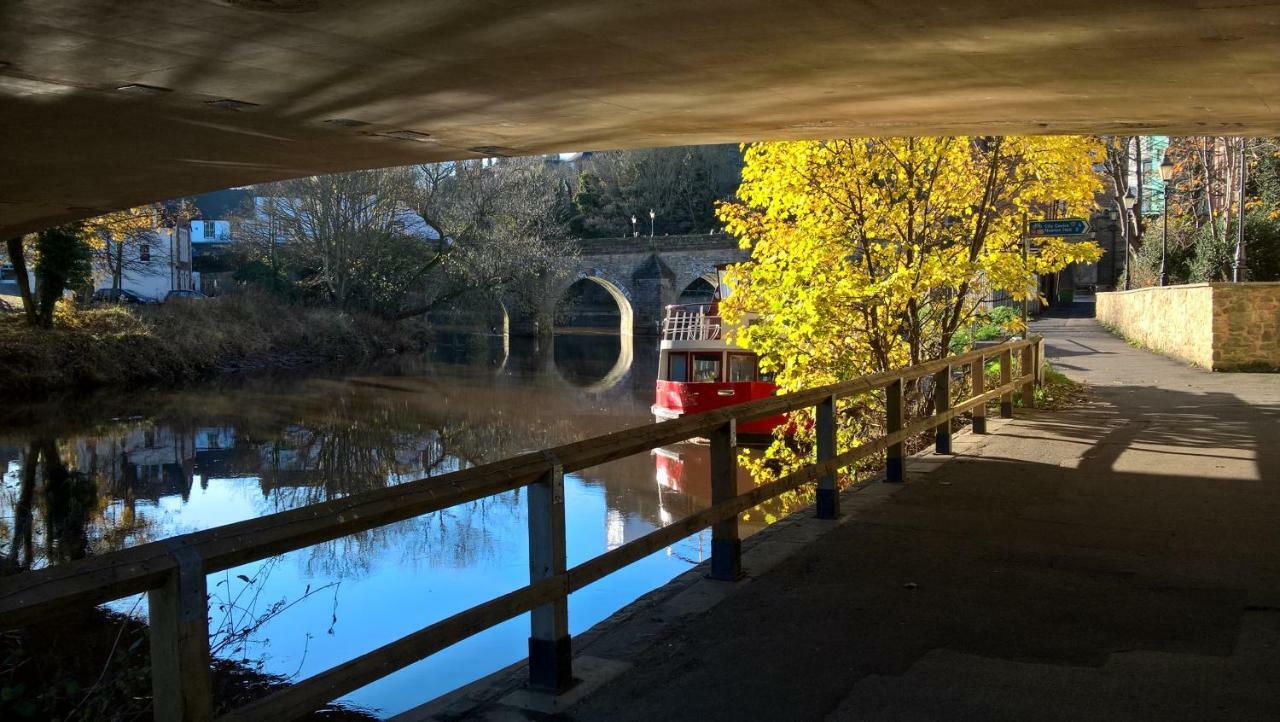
x=87, y=476
x=96, y=479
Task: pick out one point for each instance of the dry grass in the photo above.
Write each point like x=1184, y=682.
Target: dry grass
x=183, y=341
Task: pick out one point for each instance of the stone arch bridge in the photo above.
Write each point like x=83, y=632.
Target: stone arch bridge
x=643, y=275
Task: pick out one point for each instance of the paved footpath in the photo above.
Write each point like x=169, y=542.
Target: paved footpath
x=1119, y=560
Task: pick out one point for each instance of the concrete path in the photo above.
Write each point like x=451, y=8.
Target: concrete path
x=1119, y=560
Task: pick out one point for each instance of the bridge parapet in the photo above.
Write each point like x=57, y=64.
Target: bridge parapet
x=656, y=244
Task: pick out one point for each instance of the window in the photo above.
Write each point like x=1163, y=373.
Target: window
x=768, y=377
x=742, y=367
x=144, y=253
x=706, y=367
x=677, y=367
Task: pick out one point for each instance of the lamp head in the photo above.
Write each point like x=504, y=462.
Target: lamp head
x=1166, y=168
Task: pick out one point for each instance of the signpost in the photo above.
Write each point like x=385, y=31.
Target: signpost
x=1049, y=228
x=1061, y=227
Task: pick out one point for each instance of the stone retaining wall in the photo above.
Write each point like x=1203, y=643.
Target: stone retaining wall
x=1218, y=326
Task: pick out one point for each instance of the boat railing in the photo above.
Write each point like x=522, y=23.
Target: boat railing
x=691, y=322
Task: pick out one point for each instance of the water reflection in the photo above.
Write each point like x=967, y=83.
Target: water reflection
x=111, y=471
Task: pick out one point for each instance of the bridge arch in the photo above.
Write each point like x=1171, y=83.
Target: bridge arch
x=619, y=292
x=700, y=289
x=616, y=374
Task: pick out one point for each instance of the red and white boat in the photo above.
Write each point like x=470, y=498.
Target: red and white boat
x=698, y=370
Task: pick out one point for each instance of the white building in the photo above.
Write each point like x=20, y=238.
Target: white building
x=210, y=231
x=153, y=268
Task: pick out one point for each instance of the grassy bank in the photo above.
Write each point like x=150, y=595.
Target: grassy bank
x=184, y=341
x=95, y=665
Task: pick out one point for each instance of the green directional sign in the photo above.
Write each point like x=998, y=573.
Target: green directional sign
x=1058, y=227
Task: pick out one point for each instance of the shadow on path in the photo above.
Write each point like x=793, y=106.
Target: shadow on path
x=1119, y=560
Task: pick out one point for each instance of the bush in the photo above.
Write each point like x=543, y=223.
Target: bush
x=991, y=325
x=181, y=341
x=1196, y=257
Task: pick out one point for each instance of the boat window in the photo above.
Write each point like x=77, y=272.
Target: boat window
x=742, y=367
x=678, y=367
x=706, y=367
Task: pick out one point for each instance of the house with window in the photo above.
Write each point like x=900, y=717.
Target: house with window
x=151, y=265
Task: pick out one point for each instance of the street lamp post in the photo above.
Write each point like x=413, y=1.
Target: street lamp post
x=1166, y=174
x=1130, y=200
x=1114, y=216
x=1237, y=261
x=634, y=232
x=651, y=217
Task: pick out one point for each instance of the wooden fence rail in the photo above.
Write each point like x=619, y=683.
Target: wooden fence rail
x=173, y=571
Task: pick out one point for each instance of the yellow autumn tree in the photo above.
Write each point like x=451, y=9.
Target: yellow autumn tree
x=870, y=253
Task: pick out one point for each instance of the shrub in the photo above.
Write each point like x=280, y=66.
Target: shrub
x=184, y=340
x=1195, y=256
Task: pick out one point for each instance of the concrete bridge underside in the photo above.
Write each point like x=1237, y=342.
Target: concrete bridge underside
x=119, y=102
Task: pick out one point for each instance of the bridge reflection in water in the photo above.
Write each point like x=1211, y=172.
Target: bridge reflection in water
x=116, y=471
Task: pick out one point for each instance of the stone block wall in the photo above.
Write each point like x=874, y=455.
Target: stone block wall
x=1246, y=326
x=1218, y=326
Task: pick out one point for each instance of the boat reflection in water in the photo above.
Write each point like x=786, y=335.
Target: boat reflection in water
x=112, y=471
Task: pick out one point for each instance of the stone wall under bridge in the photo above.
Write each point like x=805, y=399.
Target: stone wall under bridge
x=643, y=275
x=1217, y=326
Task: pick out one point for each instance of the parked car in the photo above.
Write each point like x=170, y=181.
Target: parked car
x=111, y=295
x=183, y=294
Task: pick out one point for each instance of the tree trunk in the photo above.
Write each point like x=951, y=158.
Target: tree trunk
x=1138, y=220
x=18, y=256
x=21, y=549
x=118, y=272
x=1206, y=161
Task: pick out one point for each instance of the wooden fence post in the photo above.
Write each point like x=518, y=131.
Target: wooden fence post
x=726, y=546
x=942, y=404
x=1040, y=361
x=550, y=652
x=894, y=459
x=1006, y=375
x=1029, y=367
x=978, y=385
x=828, y=496
x=181, y=681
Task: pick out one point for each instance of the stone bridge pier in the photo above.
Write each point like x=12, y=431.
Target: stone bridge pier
x=642, y=275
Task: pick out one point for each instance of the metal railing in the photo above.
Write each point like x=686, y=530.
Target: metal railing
x=691, y=323
x=173, y=571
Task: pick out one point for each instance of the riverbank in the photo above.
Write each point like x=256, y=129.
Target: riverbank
x=181, y=342
x=95, y=665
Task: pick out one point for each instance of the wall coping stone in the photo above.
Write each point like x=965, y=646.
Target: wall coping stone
x=1211, y=284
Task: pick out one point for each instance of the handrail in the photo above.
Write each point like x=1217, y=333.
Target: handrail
x=168, y=569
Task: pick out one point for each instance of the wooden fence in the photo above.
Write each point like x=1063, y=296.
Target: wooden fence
x=173, y=571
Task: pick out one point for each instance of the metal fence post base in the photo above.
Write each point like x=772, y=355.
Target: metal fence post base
x=828, y=504
x=726, y=559
x=550, y=664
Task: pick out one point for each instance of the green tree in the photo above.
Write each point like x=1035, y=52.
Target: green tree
x=680, y=185
x=64, y=262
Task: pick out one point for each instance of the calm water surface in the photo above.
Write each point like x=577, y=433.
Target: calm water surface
x=123, y=469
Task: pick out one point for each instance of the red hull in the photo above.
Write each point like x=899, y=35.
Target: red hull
x=679, y=398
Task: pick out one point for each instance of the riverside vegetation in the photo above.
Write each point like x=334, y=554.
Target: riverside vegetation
x=186, y=341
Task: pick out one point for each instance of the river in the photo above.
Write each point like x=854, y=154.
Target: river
x=128, y=468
